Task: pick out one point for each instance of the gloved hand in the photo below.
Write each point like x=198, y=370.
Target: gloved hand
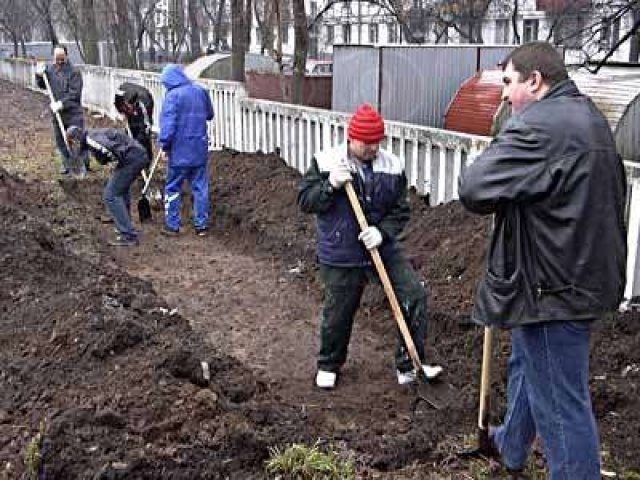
x=41, y=67
x=55, y=106
x=339, y=175
x=371, y=237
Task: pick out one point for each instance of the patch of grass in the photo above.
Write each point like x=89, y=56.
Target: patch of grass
x=301, y=462
x=33, y=456
x=630, y=475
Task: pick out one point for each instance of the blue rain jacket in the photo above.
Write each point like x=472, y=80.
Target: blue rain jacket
x=183, y=119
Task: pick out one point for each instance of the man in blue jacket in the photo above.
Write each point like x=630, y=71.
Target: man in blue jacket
x=345, y=264
x=183, y=137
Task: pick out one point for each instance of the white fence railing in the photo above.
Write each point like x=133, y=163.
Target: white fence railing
x=433, y=157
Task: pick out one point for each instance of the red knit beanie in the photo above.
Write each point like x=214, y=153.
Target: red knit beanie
x=366, y=125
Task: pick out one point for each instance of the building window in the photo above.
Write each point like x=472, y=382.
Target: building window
x=392, y=36
x=502, y=31
x=373, y=33
x=330, y=34
x=346, y=9
x=346, y=33
x=314, y=9
x=284, y=33
x=530, y=31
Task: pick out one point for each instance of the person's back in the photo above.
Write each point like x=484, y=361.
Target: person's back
x=587, y=193
x=112, y=144
x=183, y=137
x=183, y=121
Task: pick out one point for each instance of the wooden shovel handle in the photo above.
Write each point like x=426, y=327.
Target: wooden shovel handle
x=485, y=380
x=386, y=283
x=45, y=77
x=147, y=181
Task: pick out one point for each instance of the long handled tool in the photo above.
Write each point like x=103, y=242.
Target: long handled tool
x=144, y=207
x=485, y=446
x=388, y=289
x=52, y=99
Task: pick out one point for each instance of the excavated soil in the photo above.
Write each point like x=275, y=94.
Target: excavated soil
x=189, y=357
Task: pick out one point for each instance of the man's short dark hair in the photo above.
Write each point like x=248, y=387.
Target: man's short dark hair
x=538, y=56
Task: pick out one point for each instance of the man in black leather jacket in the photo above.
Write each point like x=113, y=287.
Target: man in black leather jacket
x=556, y=186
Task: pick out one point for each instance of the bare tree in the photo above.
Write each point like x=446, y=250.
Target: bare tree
x=15, y=21
x=80, y=19
x=265, y=14
x=44, y=11
x=215, y=11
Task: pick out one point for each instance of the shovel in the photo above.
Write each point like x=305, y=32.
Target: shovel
x=144, y=207
x=391, y=296
x=485, y=448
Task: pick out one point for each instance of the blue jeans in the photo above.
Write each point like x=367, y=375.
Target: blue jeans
x=67, y=160
x=198, y=177
x=548, y=394
x=117, y=196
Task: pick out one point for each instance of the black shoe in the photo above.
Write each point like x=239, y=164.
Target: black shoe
x=169, y=232
x=122, y=241
x=202, y=232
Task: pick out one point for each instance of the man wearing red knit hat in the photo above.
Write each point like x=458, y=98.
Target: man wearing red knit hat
x=345, y=265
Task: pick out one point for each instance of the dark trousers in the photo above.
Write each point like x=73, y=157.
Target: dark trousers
x=343, y=290
x=117, y=196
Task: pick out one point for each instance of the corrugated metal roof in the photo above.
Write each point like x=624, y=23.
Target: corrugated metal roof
x=611, y=92
x=475, y=104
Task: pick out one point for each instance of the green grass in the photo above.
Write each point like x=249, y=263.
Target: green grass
x=33, y=457
x=301, y=462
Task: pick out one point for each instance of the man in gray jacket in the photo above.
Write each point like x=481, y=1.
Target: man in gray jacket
x=66, y=85
x=556, y=263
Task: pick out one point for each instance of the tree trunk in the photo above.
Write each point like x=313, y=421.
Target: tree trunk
x=301, y=36
x=16, y=46
x=238, y=39
x=194, y=40
x=121, y=34
x=634, y=46
x=89, y=33
x=51, y=33
x=514, y=24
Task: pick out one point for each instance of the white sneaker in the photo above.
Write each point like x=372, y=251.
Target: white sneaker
x=431, y=372
x=326, y=379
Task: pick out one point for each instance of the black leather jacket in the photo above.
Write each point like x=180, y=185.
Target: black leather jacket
x=557, y=187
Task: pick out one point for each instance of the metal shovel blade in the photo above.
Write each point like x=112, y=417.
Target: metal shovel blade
x=144, y=209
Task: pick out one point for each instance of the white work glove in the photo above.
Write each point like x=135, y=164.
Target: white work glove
x=371, y=237
x=41, y=67
x=55, y=106
x=339, y=175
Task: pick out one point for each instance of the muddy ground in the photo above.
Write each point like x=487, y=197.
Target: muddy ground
x=102, y=350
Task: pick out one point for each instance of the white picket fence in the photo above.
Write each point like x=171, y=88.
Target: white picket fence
x=433, y=157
